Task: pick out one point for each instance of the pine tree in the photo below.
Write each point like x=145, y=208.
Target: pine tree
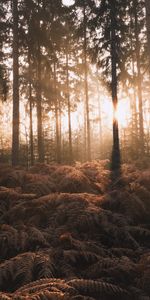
x=15, y=133
x=108, y=49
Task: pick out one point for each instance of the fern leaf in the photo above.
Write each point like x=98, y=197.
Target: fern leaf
x=95, y=288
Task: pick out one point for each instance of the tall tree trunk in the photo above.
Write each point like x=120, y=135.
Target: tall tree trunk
x=58, y=150
x=69, y=106
x=86, y=87
x=116, y=147
x=39, y=109
x=100, y=118
x=134, y=96
x=30, y=109
x=60, y=126
x=15, y=130
x=39, y=101
x=139, y=81
x=147, y=4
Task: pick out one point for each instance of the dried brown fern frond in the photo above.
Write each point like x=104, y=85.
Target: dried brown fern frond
x=95, y=270
x=44, y=169
x=142, y=235
x=12, y=241
x=40, y=283
x=4, y=296
x=25, y=268
x=20, y=239
x=51, y=285
x=16, y=271
x=80, y=258
x=98, y=289
x=61, y=171
x=127, y=204
x=40, y=188
x=75, y=182
x=46, y=295
x=14, y=178
x=43, y=266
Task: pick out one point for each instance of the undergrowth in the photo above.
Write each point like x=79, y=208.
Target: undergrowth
x=68, y=232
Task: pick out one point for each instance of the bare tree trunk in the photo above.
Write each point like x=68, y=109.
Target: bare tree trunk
x=116, y=146
x=135, y=134
x=58, y=150
x=69, y=106
x=100, y=118
x=39, y=102
x=30, y=110
x=15, y=130
x=86, y=90
x=39, y=109
x=60, y=127
x=147, y=4
x=139, y=81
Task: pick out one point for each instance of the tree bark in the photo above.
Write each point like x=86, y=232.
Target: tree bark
x=147, y=5
x=86, y=89
x=30, y=109
x=69, y=106
x=15, y=129
x=39, y=109
x=58, y=150
x=139, y=81
x=114, y=83
x=39, y=101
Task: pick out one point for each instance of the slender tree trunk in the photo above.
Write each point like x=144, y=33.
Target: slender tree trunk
x=30, y=110
x=60, y=127
x=134, y=96
x=69, y=107
x=139, y=81
x=58, y=151
x=147, y=4
x=116, y=147
x=85, y=133
x=86, y=89
x=15, y=130
x=39, y=109
x=100, y=119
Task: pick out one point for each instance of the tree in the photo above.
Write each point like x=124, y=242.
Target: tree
x=108, y=49
x=3, y=71
x=114, y=83
x=147, y=5
x=15, y=132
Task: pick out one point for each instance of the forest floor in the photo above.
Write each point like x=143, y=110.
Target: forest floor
x=70, y=233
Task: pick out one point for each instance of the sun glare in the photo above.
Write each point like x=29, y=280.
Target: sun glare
x=68, y=2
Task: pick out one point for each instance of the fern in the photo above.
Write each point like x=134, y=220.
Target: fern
x=4, y=297
x=97, y=288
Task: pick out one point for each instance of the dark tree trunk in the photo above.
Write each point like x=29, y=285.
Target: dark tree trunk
x=58, y=150
x=69, y=107
x=30, y=109
x=147, y=4
x=135, y=135
x=86, y=90
x=15, y=130
x=116, y=147
x=39, y=109
x=139, y=81
x=100, y=119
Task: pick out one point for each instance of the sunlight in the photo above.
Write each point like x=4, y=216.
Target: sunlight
x=68, y=2
x=76, y=119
